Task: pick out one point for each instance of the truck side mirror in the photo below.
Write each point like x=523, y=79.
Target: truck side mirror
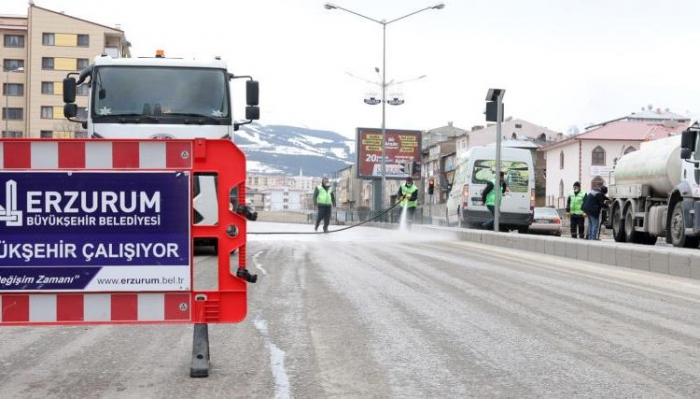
x=252, y=113
x=70, y=110
x=252, y=89
x=685, y=153
x=688, y=140
x=68, y=90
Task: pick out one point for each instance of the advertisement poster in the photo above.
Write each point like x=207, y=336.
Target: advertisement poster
x=95, y=231
x=402, y=150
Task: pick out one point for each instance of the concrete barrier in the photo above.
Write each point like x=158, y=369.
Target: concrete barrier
x=681, y=262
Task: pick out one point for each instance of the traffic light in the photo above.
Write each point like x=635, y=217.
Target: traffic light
x=493, y=98
x=492, y=111
x=431, y=186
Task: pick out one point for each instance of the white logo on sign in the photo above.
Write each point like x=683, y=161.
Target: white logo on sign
x=10, y=214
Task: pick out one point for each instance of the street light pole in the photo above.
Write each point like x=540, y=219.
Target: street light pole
x=382, y=186
x=384, y=23
x=7, y=95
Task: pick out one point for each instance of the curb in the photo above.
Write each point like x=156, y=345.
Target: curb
x=680, y=262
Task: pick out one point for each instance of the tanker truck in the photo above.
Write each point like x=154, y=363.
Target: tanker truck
x=655, y=192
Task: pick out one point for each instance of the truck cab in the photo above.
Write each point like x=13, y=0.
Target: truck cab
x=158, y=98
x=163, y=98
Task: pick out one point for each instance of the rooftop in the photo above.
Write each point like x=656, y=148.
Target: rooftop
x=627, y=131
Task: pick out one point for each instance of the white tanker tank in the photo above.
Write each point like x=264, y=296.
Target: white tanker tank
x=656, y=164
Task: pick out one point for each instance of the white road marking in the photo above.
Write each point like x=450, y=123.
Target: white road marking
x=276, y=362
x=257, y=264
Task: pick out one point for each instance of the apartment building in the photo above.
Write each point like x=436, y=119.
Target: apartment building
x=38, y=51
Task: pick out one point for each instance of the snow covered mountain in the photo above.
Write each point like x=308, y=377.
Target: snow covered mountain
x=287, y=150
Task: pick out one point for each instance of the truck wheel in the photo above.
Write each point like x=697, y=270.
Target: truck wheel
x=678, y=237
x=618, y=225
x=630, y=233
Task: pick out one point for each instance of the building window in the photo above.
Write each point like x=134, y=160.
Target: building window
x=518, y=126
x=47, y=63
x=46, y=134
x=14, y=41
x=630, y=149
x=514, y=136
x=46, y=112
x=82, y=90
x=598, y=156
x=13, y=114
x=48, y=39
x=11, y=134
x=46, y=87
x=83, y=41
x=561, y=188
x=13, y=89
x=83, y=63
x=561, y=160
x=11, y=65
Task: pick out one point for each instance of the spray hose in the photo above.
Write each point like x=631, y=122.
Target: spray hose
x=330, y=231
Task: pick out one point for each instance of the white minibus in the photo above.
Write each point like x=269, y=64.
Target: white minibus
x=478, y=167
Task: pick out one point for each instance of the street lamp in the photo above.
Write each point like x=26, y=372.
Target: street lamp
x=384, y=23
x=7, y=94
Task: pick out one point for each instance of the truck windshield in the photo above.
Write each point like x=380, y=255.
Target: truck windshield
x=160, y=91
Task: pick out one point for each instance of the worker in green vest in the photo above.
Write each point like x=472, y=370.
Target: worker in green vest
x=488, y=196
x=324, y=199
x=408, y=195
x=574, y=209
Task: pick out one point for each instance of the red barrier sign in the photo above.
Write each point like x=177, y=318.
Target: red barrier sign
x=102, y=231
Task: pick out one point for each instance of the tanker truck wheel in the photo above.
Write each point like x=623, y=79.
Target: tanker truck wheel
x=617, y=224
x=631, y=234
x=678, y=237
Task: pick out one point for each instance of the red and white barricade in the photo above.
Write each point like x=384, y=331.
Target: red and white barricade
x=102, y=231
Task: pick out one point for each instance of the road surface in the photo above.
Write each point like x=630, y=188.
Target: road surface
x=370, y=312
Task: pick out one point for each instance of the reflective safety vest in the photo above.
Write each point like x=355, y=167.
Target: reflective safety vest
x=576, y=202
x=324, y=195
x=491, y=196
x=408, y=190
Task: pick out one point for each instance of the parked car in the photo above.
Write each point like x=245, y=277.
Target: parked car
x=546, y=220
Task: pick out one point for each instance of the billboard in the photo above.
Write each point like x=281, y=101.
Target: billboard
x=402, y=150
x=95, y=231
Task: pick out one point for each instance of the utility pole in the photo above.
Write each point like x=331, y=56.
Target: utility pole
x=494, y=113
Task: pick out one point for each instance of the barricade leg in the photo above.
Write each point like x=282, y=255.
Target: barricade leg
x=199, y=367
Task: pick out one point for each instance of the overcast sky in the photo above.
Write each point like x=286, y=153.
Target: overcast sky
x=562, y=62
